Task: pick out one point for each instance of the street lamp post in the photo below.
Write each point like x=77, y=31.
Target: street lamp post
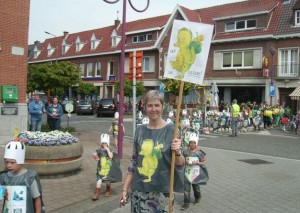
x=121, y=97
x=272, y=51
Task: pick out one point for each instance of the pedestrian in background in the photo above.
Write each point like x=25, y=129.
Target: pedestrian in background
x=114, y=128
x=54, y=113
x=36, y=110
x=148, y=174
x=235, y=113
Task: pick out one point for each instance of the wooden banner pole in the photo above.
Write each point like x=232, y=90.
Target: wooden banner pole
x=173, y=152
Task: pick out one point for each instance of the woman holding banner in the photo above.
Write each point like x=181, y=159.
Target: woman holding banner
x=149, y=171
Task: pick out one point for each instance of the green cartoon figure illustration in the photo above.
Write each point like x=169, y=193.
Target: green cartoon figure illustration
x=188, y=48
x=151, y=155
x=105, y=166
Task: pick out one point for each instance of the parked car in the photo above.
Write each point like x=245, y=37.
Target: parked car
x=86, y=107
x=107, y=106
x=64, y=102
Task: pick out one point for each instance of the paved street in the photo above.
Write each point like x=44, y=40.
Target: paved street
x=251, y=173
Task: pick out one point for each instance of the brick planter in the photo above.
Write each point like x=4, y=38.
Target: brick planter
x=54, y=160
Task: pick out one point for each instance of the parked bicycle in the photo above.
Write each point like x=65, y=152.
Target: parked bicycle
x=292, y=125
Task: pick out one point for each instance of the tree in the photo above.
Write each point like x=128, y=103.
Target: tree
x=86, y=89
x=128, y=88
x=57, y=77
x=173, y=86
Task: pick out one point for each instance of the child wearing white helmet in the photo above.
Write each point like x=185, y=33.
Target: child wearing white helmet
x=114, y=128
x=195, y=170
x=18, y=176
x=103, y=156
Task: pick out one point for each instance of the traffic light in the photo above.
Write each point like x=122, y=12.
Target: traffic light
x=138, y=65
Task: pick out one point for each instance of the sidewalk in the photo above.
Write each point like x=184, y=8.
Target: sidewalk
x=239, y=183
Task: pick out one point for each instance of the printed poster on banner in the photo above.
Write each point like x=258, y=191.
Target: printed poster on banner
x=14, y=199
x=192, y=171
x=188, y=51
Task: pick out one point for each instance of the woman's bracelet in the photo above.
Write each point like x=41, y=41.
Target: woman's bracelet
x=123, y=190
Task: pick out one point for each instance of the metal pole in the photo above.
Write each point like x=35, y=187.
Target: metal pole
x=134, y=91
x=121, y=98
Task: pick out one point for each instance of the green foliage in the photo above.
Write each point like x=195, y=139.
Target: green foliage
x=86, y=89
x=46, y=128
x=58, y=76
x=128, y=88
x=173, y=86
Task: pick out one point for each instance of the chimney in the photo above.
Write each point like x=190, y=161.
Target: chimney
x=117, y=23
x=36, y=42
x=66, y=33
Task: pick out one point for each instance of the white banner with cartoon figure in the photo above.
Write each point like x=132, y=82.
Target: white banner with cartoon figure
x=15, y=201
x=188, y=51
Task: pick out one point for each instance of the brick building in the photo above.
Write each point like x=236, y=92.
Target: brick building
x=246, y=34
x=14, y=24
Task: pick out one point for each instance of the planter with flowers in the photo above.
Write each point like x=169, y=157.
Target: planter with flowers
x=52, y=153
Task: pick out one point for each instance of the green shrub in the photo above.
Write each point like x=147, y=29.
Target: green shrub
x=46, y=128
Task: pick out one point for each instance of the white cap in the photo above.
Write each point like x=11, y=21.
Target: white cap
x=116, y=115
x=140, y=115
x=194, y=137
x=184, y=112
x=145, y=121
x=15, y=150
x=104, y=138
x=171, y=114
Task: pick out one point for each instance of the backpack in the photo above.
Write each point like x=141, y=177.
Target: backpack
x=29, y=182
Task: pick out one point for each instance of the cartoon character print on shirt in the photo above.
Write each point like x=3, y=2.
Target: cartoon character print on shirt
x=151, y=155
x=105, y=166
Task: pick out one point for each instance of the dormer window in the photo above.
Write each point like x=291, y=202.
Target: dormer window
x=50, y=50
x=94, y=42
x=141, y=38
x=297, y=17
x=36, y=52
x=240, y=25
x=115, y=39
x=65, y=47
x=79, y=44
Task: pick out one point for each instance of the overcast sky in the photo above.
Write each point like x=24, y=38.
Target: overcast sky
x=57, y=16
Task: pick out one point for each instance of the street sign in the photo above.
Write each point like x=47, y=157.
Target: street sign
x=272, y=91
x=69, y=107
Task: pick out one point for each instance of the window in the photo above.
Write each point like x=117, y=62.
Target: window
x=94, y=44
x=288, y=62
x=238, y=59
x=240, y=25
x=50, y=50
x=36, y=52
x=89, y=69
x=148, y=64
x=297, y=17
x=98, y=69
x=81, y=67
x=141, y=38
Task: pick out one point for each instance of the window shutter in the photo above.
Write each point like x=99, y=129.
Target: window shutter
x=217, y=61
x=257, y=60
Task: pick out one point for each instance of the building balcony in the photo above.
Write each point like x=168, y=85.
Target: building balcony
x=287, y=71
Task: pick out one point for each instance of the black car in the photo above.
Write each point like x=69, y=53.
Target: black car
x=107, y=106
x=86, y=107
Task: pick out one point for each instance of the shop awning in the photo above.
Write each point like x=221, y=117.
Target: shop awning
x=295, y=95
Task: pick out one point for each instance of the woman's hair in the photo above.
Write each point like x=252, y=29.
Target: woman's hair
x=154, y=95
